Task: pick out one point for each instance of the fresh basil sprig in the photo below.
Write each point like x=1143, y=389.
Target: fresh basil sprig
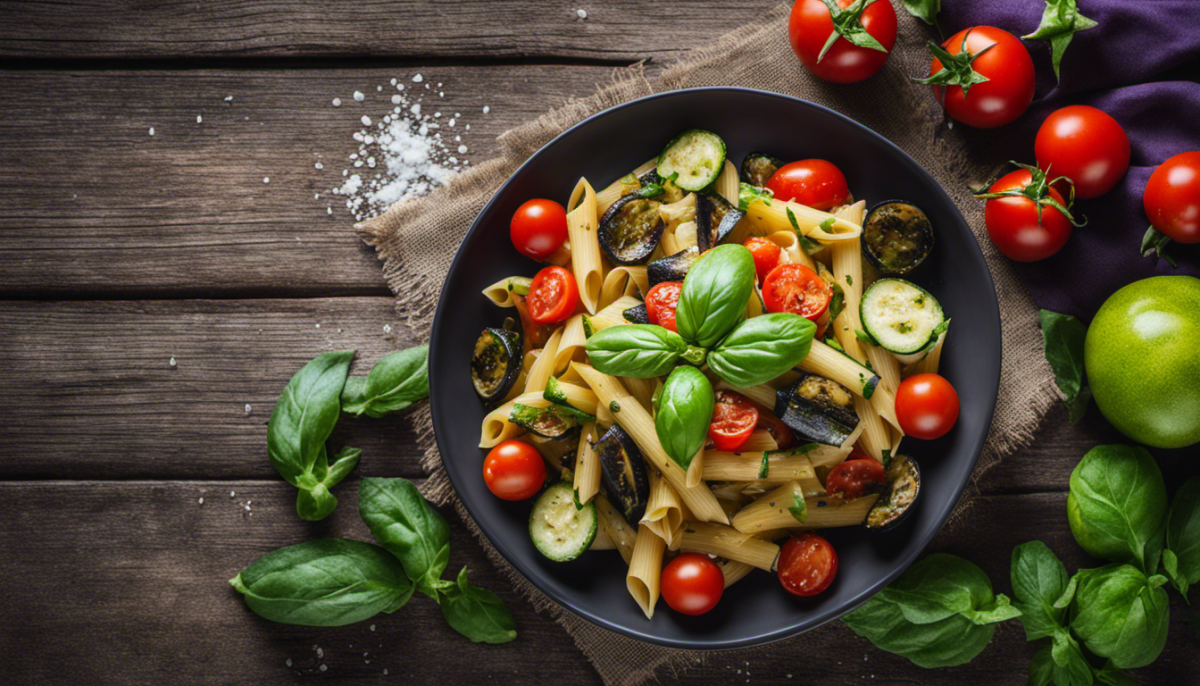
x=684, y=411
x=1120, y=613
x=300, y=424
x=1117, y=505
x=404, y=524
x=714, y=295
x=639, y=351
x=761, y=348
x=395, y=382
x=1183, y=537
x=1060, y=21
x=1063, y=337
x=475, y=612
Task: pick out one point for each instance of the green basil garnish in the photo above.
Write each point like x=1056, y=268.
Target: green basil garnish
x=404, y=524
x=1117, y=505
x=1063, y=337
x=761, y=348
x=715, y=292
x=684, y=411
x=640, y=351
x=395, y=382
x=475, y=612
x=1183, y=536
x=1121, y=614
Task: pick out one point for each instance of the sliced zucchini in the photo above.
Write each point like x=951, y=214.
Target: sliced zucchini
x=694, y=159
x=555, y=421
x=902, y=317
x=715, y=219
x=559, y=531
x=896, y=503
x=817, y=409
x=624, y=473
x=636, y=314
x=496, y=362
x=631, y=229
x=758, y=168
x=896, y=237
x=672, y=267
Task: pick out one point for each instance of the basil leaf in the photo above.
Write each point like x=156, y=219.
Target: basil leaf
x=1183, y=532
x=1170, y=564
x=1111, y=676
x=1039, y=579
x=403, y=522
x=1120, y=614
x=1060, y=21
x=761, y=348
x=685, y=409
x=939, y=586
x=640, y=351
x=1073, y=670
x=1117, y=505
x=714, y=295
x=925, y=10
x=798, y=508
x=748, y=193
x=764, y=468
x=398, y=380
x=326, y=582
x=476, y=613
x=1063, y=337
x=300, y=424
x=946, y=643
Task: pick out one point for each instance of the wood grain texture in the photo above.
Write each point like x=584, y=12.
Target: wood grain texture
x=93, y=206
x=144, y=566
x=615, y=30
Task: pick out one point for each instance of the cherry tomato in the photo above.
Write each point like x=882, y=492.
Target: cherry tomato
x=766, y=255
x=807, y=564
x=538, y=228
x=514, y=471
x=782, y=433
x=692, y=584
x=816, y=183
x=661, y=302
x=553, y=296
x=1172, y=198
x=1085, y=145
x=1010, y=78
x=797, y=289
x=1013, y=224
x=927, y=406
x=734, y=419
x=809, y=28
x=856, y=478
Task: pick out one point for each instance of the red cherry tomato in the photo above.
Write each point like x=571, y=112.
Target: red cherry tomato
x=809, y=28
x=692, y=584
x=766, y=255
x=797, y=289
x=1009, y=70
x=807, y=564
x=553, y=296
x=782, y=433
x=927, y=406
x=661, y=302
x=538, y=228
x=816, y=183
x=734, y=419
x=1172, y=198
x=856, y=478
x=514, y=471
x=1013, y=224
x=1085, y=145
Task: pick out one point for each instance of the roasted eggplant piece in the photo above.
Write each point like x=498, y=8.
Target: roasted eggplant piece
x=624, y=473
x=817, y=409
x=630, y=229
x=672, y=267
x=758, y=168
x=496, y=363
x=636, y=315
x=558, y=452
x=555, y=421
x=715, y=219
x=896, y=503
x=896, y=237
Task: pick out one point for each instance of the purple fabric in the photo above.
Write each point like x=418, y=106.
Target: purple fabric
x=1117, y=67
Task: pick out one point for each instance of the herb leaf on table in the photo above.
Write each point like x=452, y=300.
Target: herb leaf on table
x=1183, y=537
x=1117, y=505
x=1121, y=614
x=398, y=380
x=475, y=612
x=403, y=522
x=1039, y=579
x=1063, y=337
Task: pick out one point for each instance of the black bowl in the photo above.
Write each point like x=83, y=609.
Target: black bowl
x=604, y=148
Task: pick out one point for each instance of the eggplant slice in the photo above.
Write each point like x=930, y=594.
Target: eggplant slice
x=896, y=503
x=558, y=452
x=672, y=267
x=818, y=409
x=896, y=237
x=758, y=168
x=496, y=363
x=630, y=229
x=715, y=219
x=637, y=315
x=555, y=421
x=624, y=473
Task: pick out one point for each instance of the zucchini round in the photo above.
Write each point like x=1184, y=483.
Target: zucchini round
x=758, y=168
x=902, y=317
x=496, y=363
x=695, y=158
x=559, y=531
x=896, y=503
x=896, y=237
x=630, y=229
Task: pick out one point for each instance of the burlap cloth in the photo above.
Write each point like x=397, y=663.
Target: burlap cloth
x=417, y=239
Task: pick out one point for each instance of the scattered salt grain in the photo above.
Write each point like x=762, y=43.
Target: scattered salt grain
x=451, y=122
x=366, y=120
x=337, y=102
x=359, y=96
x=289, y=662
x=199, y=119
x=437, y=114
x=318, y=326
x=441, y=94
x=339, y=330
x=385, y=672
x=232, y=494
x=393, y=82
x=318, y=165
x=266, y=179
x=372, y=627
x=582, y=14
x=396, y=99
x=329, y=209
x=320, y=651
x=418, y=78
x=248, y=408
x=151, y=130
x=486, y=109
x=171, y=362
x=378, y=88
x=201, y=501
x=387, y=328
x=462, y=149
x=323, y=667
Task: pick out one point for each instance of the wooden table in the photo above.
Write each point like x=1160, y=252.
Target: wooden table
x=156, y=295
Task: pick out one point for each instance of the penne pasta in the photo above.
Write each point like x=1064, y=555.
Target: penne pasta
x=733, y=571
x=766, y=468
x=765, y=217
x=729, y=184
x=645, y=569
x=503, y=293
x=695, y=469
x=664, y=509
x=792, y=252
x=587, y=465
x=497, y=428
x=543, y=367
x=780, y=509
x=830, y=363
x=929, y=363
x=583, y=224
x=620, y=281
x=571, y=344
x=615, y=527
x=578, y=397
x=613, y=313
x=876, y=437
x=729, y=543
x=642, y=389
x=759, y=441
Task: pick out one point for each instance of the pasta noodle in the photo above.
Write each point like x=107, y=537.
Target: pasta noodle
x=497, y=428
x=578, y=397
x=790, y=245
x=664, y=509
x=614, y=312
x=571, y=344
x=728, y=185
x=780, y=467
x=774, y=511
x=502, y=294
x=615, y=527
x=583, y=224
x=587, y=465
x=543, y=368
x=645, y=569
x=767, y=217
x=827, y=362
x=729, y=543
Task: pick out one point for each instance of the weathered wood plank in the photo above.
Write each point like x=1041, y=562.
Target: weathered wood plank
x=623, y=30
x=92, y=205
x=147, y=598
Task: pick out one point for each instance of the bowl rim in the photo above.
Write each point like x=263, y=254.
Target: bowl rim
x=903, y=561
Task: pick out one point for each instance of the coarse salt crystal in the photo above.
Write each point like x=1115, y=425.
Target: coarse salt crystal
x=418, y=78
x=289, y=662
x=366, y=120
x=393, y=82
x=323, y=667
x=232, y=494
x=396, y=99
x=199, y=118
x=462, y=149
x=266, y=179
x=372, y=627
x=171, y=362
x=248, y=408
x=486, y=109
x=201, y=500
x=582, y=14
x=337, y=102
x=378, y=88
x=151, y=130
x=228, y=98
x=359, y=96
x=318, y=165
x=318, y=326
